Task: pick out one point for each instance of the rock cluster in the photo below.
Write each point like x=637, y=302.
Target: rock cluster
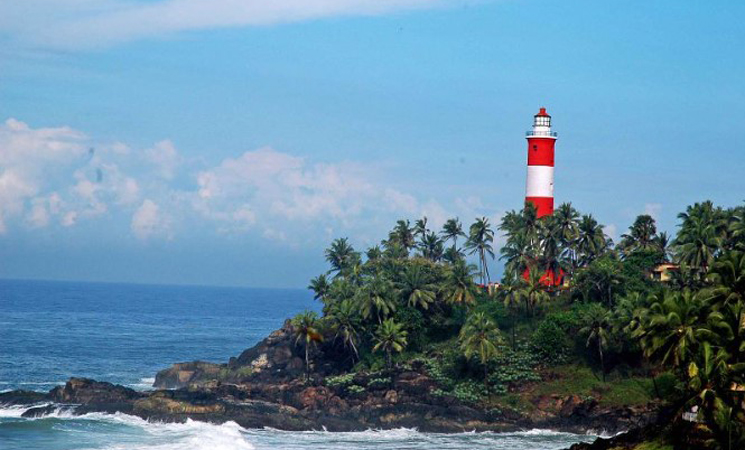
x=265, y=387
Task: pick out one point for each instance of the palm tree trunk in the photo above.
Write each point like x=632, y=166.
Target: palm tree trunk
x=307, y=364
x=486, y=269
x=602, y=362
x=513, y=330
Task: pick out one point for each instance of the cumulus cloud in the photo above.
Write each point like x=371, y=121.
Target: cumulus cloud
x=284, y=186
x=61, y=177
x=94, y=23
x=164, y=157
x=31, y=159
x=149, y=221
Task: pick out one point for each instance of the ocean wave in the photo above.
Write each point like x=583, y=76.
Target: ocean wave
x=145, y=384
x=136, y=433
x=125, y=432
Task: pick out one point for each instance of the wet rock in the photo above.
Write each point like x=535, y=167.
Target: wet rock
x=22, y=398
x=182, y=374
x=84, y=390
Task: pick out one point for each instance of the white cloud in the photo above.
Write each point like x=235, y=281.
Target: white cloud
x=165, y=158
x=38, y=217
x=54, y=177
x=149, y=221
x=29, y=160
x=95, y=23
x=282, y=186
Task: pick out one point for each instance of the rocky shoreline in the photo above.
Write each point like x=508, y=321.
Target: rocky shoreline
x=265, y=387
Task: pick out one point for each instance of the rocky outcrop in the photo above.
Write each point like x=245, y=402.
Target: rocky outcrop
x=265, y=387
x=275, y=358
x=182, y=374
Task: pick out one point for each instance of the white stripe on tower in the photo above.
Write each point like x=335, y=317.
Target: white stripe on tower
x=540, y=181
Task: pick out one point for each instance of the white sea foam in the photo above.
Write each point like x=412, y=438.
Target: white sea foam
x=145, y=384
x=12, y=411
x=189, y=435
x=134, y=433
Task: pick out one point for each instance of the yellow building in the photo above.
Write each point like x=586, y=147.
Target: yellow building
x=663, y=272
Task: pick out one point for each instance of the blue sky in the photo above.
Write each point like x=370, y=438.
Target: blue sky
x=232, y=140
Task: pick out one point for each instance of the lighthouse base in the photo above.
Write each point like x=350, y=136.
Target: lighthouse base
x=544, y=205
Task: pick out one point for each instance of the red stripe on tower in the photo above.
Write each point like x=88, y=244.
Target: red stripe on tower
x=540, y=183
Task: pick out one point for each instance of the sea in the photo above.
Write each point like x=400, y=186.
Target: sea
x=124, y=333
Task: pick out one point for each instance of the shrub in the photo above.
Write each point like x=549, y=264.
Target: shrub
x=339, y=381
x=377, y=383
x=355, y=389
x=469, y=392
x=552, y=341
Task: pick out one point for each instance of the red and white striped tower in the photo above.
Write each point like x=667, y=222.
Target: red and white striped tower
x=540, y=183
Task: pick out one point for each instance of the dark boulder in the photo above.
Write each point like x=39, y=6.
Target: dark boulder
x=84, y=391
x=22, y=398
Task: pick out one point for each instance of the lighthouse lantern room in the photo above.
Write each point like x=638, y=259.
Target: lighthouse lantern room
x=540, y=181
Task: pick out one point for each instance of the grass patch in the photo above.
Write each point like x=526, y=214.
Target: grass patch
x=653, y=445
x=616, y=391
x=514, y=402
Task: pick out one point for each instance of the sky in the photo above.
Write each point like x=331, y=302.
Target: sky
x=227, y=142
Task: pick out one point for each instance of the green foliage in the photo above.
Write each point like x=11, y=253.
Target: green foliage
x=355, y=389
x=511, y=368
x=424, y=305
x=553, y=340
x=469, y=392
x=668, y=385
x=378, y=383
x=340, y=380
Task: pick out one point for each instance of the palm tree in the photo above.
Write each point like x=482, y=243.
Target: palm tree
x=375, y=299
x=344, y=318
x=480, y=336
x=305, y=327
x=374, y=253
x=390, y=337
x=709, y=380
x=672, y=328
x=567, y=224
x=320, y=287
x=597, y=332
x=552, y=250
x=511, y=295
x=451, y=230
x=518, y=253
x=432, y=247
x=420, y=227
x=402, y=235
x=512, y=224
x=416, y=286
x=727, y=276
x=459, y=287
x=737, y=228
x=480, y=241
x=642, y=235
x=591, y=241
x=341, y=256
x=663, y=246
x=452, y=255
x=533, y=290
x=698, y=243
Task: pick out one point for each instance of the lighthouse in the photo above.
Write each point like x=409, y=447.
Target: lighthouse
x=540, y=183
